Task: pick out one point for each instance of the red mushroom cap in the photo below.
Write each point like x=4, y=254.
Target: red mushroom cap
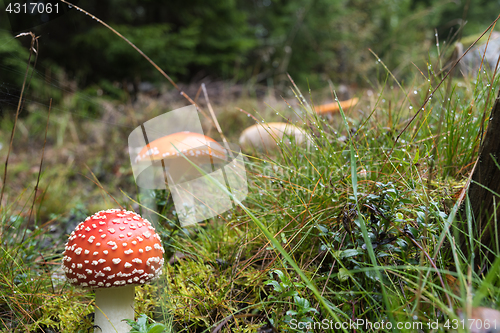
x=113, y=248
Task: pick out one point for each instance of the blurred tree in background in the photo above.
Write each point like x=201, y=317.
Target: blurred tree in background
x=241, y=40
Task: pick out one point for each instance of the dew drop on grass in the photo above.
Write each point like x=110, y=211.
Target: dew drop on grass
x=414, y=92
x=69, y=6
x=410, y=107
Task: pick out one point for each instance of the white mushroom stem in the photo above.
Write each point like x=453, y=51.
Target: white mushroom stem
x=183, y=199
x=112, y=306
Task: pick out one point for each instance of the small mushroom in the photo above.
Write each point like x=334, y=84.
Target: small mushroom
x=175, y=159
x=266, y=136
x=197, y=148
x=112, y=251
x=332, y=108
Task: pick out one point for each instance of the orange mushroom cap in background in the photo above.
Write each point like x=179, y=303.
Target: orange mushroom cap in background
x=189, y=143
x=177, y=151
x=334, y=107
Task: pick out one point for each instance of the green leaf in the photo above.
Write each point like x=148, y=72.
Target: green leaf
x=156, y=328
x=343, y=274
x=289, y=294
x=415, y=159
x=276, y=285
x=350, y=253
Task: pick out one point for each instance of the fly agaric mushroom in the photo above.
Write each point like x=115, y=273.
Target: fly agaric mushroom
x=266, y=136
x=111, y=252
x=331, y=108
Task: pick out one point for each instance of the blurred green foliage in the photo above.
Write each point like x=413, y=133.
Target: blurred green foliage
x=258, y=40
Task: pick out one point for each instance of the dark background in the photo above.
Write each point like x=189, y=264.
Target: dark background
x=256, y=41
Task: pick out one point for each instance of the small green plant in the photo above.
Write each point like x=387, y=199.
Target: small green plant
x=142, y=326
x=287, y=290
